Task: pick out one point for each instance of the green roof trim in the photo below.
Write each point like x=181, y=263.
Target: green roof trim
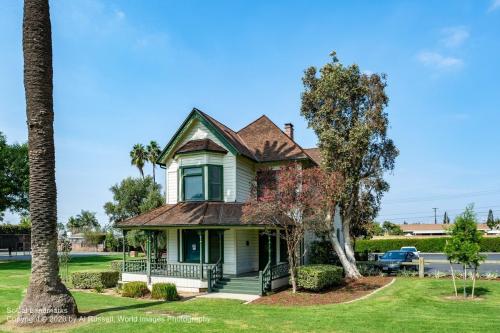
x=194, y=114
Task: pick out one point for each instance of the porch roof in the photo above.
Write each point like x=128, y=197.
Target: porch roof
x=190, y=214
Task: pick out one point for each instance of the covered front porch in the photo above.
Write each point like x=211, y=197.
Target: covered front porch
x=205, y=259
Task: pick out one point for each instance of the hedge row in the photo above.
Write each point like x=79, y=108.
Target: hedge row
x=95, y=280
x=318, y=277
x=490, y=244
x=14, y=229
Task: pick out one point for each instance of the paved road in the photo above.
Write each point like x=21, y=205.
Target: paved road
x=484, y=268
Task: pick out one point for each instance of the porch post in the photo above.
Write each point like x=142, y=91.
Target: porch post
x=269, y=252
x=278, y=246
x=200, y=234
x=124, y=233
x=221, y=232
x=155, y=242
x=148, y=256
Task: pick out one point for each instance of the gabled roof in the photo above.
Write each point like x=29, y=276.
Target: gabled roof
x=268, y=142
x=260, y=141
x=189, y=214
x=314, y=154
x=200, y=145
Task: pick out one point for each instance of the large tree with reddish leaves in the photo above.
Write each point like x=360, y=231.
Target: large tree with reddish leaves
x=288, y=199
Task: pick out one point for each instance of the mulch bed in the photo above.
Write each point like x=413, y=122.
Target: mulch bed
x=351, y=290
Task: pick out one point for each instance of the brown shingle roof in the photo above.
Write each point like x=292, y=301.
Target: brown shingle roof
x=230, y=136
x=200, y=145
x=189, y=214
x=314, y=154
x=268, y=142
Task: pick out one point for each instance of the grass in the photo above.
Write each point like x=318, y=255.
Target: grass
x=409, y=305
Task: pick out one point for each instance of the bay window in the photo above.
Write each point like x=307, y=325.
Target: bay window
x=202, y=183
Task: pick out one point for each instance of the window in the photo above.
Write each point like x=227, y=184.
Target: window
x=267, y=181
x=214, y=182
x=192, y=183
x=202, y=183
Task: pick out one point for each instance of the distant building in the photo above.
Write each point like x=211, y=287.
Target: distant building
x=440, y=229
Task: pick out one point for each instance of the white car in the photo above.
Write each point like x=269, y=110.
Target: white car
x=411, y=249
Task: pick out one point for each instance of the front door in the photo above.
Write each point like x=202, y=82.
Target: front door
x=191, y=242
x=264, y=249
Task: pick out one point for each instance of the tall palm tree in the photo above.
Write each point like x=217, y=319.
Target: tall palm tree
x=139, y=157
x=153, y=152
x=47, y=299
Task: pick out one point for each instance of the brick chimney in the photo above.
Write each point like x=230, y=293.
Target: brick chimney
x=289, y=130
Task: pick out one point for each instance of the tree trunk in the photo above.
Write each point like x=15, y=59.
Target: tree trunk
x=454, y=282
x=349, y=251
x=154, y=174
x=293, y=278
x=465, y=281
x=474, y=282
x=47, y=300
x=350, y=269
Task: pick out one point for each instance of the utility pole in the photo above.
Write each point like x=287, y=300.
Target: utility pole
x=435, y=215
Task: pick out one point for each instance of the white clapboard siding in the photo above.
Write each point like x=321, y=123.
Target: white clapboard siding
x=245, y=175
x=172, y=245
x=229, y=252
x=247, y=256
x=228, y=161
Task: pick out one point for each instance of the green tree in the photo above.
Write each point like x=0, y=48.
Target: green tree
x=153, y=152
x=463, y=246
x=392, y=229
x=491, y=222
x=47, y=299
x=446, y=219
x=85, y=221
x=14, y=177
x=139, y=156
x=345, y=108
x=137, y=238
x=132, y=197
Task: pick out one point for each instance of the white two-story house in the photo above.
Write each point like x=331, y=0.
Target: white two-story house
x=209, y=172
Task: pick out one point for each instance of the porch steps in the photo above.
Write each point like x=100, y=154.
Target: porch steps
x=238, y=285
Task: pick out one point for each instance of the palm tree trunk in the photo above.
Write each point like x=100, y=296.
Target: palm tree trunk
x=47, y=299
x=154, y=173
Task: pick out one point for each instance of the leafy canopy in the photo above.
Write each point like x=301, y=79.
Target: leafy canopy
x=345, y=108
x=14, y=177
x=83, y=222
x=463, y=246
x=132, y=197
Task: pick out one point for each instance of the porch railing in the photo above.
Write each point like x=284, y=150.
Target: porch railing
x=160, y=267
x=214, y=275
x=271, y=273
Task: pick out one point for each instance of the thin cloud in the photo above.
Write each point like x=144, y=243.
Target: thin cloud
x=439, y=61
x=455, y=36
x=495, y=4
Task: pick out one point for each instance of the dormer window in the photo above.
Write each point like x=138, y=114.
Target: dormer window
x=202, y=183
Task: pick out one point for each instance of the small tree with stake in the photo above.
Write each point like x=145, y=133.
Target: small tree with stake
x=463, y=246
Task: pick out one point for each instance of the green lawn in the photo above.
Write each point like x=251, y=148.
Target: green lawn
x=409, y=305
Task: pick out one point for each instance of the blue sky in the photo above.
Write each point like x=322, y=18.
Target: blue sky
x=130, y=71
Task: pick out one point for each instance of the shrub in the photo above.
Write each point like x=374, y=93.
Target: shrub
x=166, y=291
x=322, y=253
x=95, y=280
x=369, y=268
x=116, y=265
x=135, y=289
x=435, y=244
x=318, y=277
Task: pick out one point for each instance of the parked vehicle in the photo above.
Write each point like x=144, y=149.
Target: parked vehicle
x=391, y=261
x=412, y=249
